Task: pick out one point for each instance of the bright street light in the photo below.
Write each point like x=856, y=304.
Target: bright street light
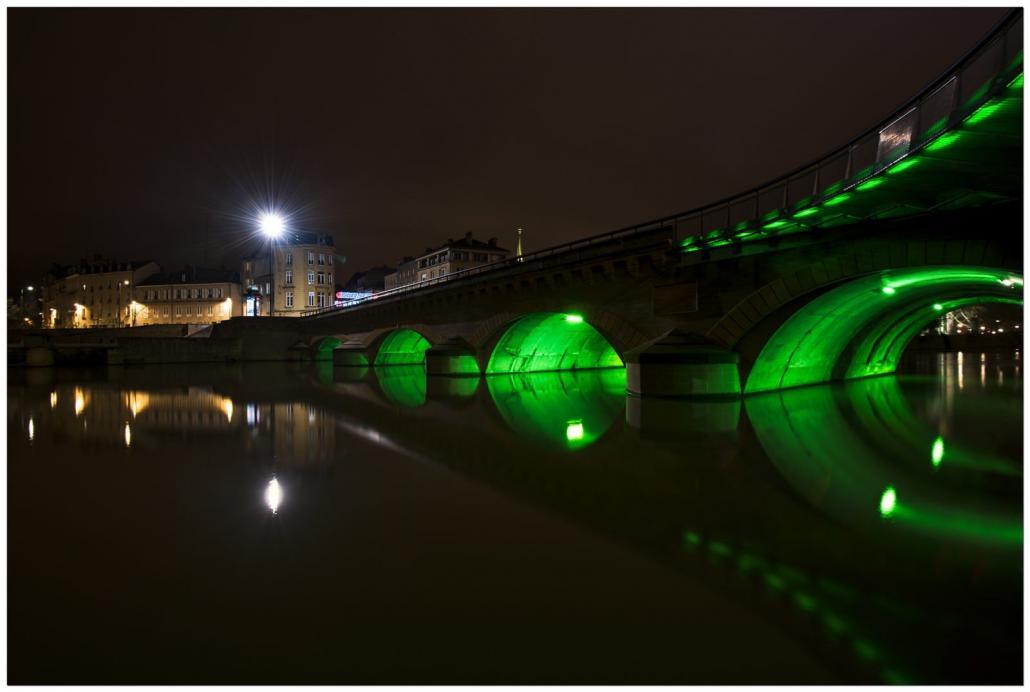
x=272, y=225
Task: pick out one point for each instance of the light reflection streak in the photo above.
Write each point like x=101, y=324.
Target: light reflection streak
x=53, y=399
x=273, y=495
x=32, y=430
x=81, y=402
x=128, y=435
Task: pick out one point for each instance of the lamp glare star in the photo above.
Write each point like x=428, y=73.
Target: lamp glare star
x=272, y=225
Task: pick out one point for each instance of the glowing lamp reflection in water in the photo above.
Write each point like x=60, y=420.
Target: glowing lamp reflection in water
x=273, y=495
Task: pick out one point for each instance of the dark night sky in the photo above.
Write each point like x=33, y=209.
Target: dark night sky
x=149, y=133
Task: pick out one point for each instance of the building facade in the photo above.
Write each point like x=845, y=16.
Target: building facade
x=193, y=295
x=453, y=256
x=97, y=293
x=303, y=276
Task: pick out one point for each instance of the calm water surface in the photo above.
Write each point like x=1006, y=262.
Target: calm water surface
x=294, y=524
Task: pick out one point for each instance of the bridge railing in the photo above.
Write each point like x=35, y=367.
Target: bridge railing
x=944, y=102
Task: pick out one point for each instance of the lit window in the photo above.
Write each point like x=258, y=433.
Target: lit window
x=330, y=257
x=289, y=298
x=289, y=259
x=311, y=278
x=321, y=278
x=311, y=299
x=311, y=258
x=321, y=258
x=289, y=276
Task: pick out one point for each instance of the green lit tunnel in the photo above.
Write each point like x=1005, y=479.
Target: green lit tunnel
x=549, y=341
x=402, y=347
x=862, y=327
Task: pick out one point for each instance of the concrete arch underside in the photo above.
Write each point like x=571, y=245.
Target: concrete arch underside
x=860, y=327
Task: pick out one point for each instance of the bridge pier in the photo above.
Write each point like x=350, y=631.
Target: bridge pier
x=454, y=357
x=39, y=356
x=351, y=355
x=683, y=364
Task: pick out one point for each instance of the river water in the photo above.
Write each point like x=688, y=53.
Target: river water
x=274, y=523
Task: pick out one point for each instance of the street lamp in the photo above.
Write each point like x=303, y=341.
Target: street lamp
x=272, y=225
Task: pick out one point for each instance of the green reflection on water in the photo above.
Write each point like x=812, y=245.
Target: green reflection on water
x=855, y=451
x=569, y=410
x=404, y=385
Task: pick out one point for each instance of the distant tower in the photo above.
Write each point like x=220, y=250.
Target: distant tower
x=518, y=247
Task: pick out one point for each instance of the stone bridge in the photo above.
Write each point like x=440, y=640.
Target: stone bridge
x=825, y=273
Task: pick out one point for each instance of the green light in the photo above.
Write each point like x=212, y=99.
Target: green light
x=938, y=307
x=691, y=538
x=944, y=141
x=403, y=385
x=545, y=341
x=1017, y=83
x=574, y=430
x=839, y=199
x=985, y=111
x=777, y=224
x=870, y=184
x=829, y=333
x=937, y=451
x=903, y=165
x=805, y=213
x=805, y=602
x=720, y=549
x=402, y=347
x=774, y=582
x=562, y=410
x=888, y=501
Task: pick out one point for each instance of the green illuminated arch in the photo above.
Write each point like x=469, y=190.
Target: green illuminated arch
x=325, y=347
x=569, y=410
x=862, y=327
x=402, y=347
x=404, y=385
x=549, y=341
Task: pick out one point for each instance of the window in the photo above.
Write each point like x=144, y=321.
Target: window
x=189, y=309
x=210, y=293
x=329, y=279
x=311, y=299
x=210, y=310
x=289, y=276
x=168, y=311
x=321, y=258
x=289, y=298
x=289, y=259
x=321, y=279
x=330, y=258
x=311, y=278
x=321, y=299
x=311, y=258
x=178, y=311
x=220, y=292
x=423, y=276
x=443, y=270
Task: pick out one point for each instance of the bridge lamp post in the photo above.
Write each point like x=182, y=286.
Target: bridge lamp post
x=272, y=225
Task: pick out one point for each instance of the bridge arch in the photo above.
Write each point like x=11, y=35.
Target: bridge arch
x=860, y=327
x=400, y=346
x=549, y=341
x=322, y=348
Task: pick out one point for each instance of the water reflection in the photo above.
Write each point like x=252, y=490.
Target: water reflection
x=857, y=452
x=876, y=522
x=403, y=385
x=569, y=410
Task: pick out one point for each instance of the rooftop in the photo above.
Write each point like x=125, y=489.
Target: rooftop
x=192, y=275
